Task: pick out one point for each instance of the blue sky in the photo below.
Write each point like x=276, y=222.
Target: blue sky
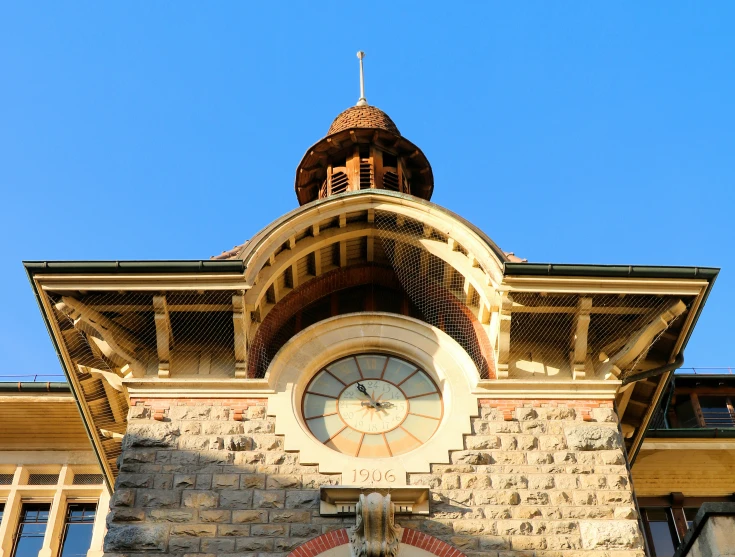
x=568, y=131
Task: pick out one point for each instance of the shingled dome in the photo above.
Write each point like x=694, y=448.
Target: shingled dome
x=363, y=149
x=363, y=117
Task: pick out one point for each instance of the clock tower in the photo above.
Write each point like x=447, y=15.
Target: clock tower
x=370, y=374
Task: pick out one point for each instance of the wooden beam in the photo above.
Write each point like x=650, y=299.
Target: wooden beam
x=164, y=335
x=94, y=324
x=239, y=322
x=580, y=329
x=640, y=341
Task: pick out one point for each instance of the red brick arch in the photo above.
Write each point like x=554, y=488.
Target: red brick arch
x=327, y=541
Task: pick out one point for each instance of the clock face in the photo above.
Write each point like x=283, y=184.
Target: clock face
x=372, y=406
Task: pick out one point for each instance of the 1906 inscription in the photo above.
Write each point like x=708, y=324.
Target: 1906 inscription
x=373, y=475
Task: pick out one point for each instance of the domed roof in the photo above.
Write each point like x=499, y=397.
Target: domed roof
x=365, y=116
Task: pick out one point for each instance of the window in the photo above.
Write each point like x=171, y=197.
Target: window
x=2, y=509
x=660, y=531
x=32, y=528
x=78, y=528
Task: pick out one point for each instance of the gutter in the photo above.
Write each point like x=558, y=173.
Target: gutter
x=673, y=366
x=608, y=271
x=34, y=387
x=146, y=267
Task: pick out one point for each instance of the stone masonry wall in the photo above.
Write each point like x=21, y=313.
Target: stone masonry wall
x=209, y=477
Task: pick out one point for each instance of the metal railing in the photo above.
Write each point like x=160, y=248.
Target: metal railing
x=705, y=370
x=34, y=378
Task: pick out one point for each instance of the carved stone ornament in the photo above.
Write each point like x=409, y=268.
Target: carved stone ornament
x=374, y=533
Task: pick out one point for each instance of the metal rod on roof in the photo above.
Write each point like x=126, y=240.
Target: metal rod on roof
x=362, y=101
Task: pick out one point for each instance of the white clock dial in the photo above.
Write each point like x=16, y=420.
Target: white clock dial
x=372, y=406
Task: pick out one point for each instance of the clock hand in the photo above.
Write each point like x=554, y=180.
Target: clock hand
x=363, y=390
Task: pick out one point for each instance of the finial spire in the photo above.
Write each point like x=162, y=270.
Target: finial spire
x=362, y=101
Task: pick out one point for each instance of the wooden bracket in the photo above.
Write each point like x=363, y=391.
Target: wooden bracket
x=239, y=323
x=580, y=330
x=164, y=335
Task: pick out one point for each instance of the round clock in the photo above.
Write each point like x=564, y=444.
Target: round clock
x=372, y=405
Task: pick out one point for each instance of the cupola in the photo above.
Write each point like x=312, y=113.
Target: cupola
x=363, y=150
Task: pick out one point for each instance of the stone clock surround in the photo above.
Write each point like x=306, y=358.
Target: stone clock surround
x=228, y=474
x=430, y=349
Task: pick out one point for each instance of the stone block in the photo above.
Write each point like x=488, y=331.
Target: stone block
x=482, y=442
x=592, y=438
x=604, y=415
x=252, y=481
x=123, y=498
x=134, y=481
x=302, y=499
x=514, y=527
x=305, y=530
x=269, y=530
x=139, y=412
x=194, y=530
x=233, y=530
x=269, y=499
x=551, y=443
x=496, y=497
x=225, y=481
x=520, y=543
x=217, y=515
x=190, y=428
x=163, y=481
x=184, y=481
x=183, y=545
x=471, y=457
x=139, y=456
x=267, y=442
x=126, y=515
x=473, y=527
x=165, y=515
x=475, y=481
x=465, y=543
x=283, y=482
x=189, y=412
x=204, y=481
x=137, y=538
x=560, y=413
x=200, y=499
x=238, y=443
x=494, y=543
x=249, y=516
x=259, y=426
x=223, y=428
x=236, y=499
x=254, y=544
x=151, y=434
x=534, y=497
x=610, y=534
x=315, y=481
x=509, y=481
x=288, y=544
x=158, y=498
x=563, y=542
x=526, y=414
x=537, y=457
x=288, y=516
x=218, y=545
